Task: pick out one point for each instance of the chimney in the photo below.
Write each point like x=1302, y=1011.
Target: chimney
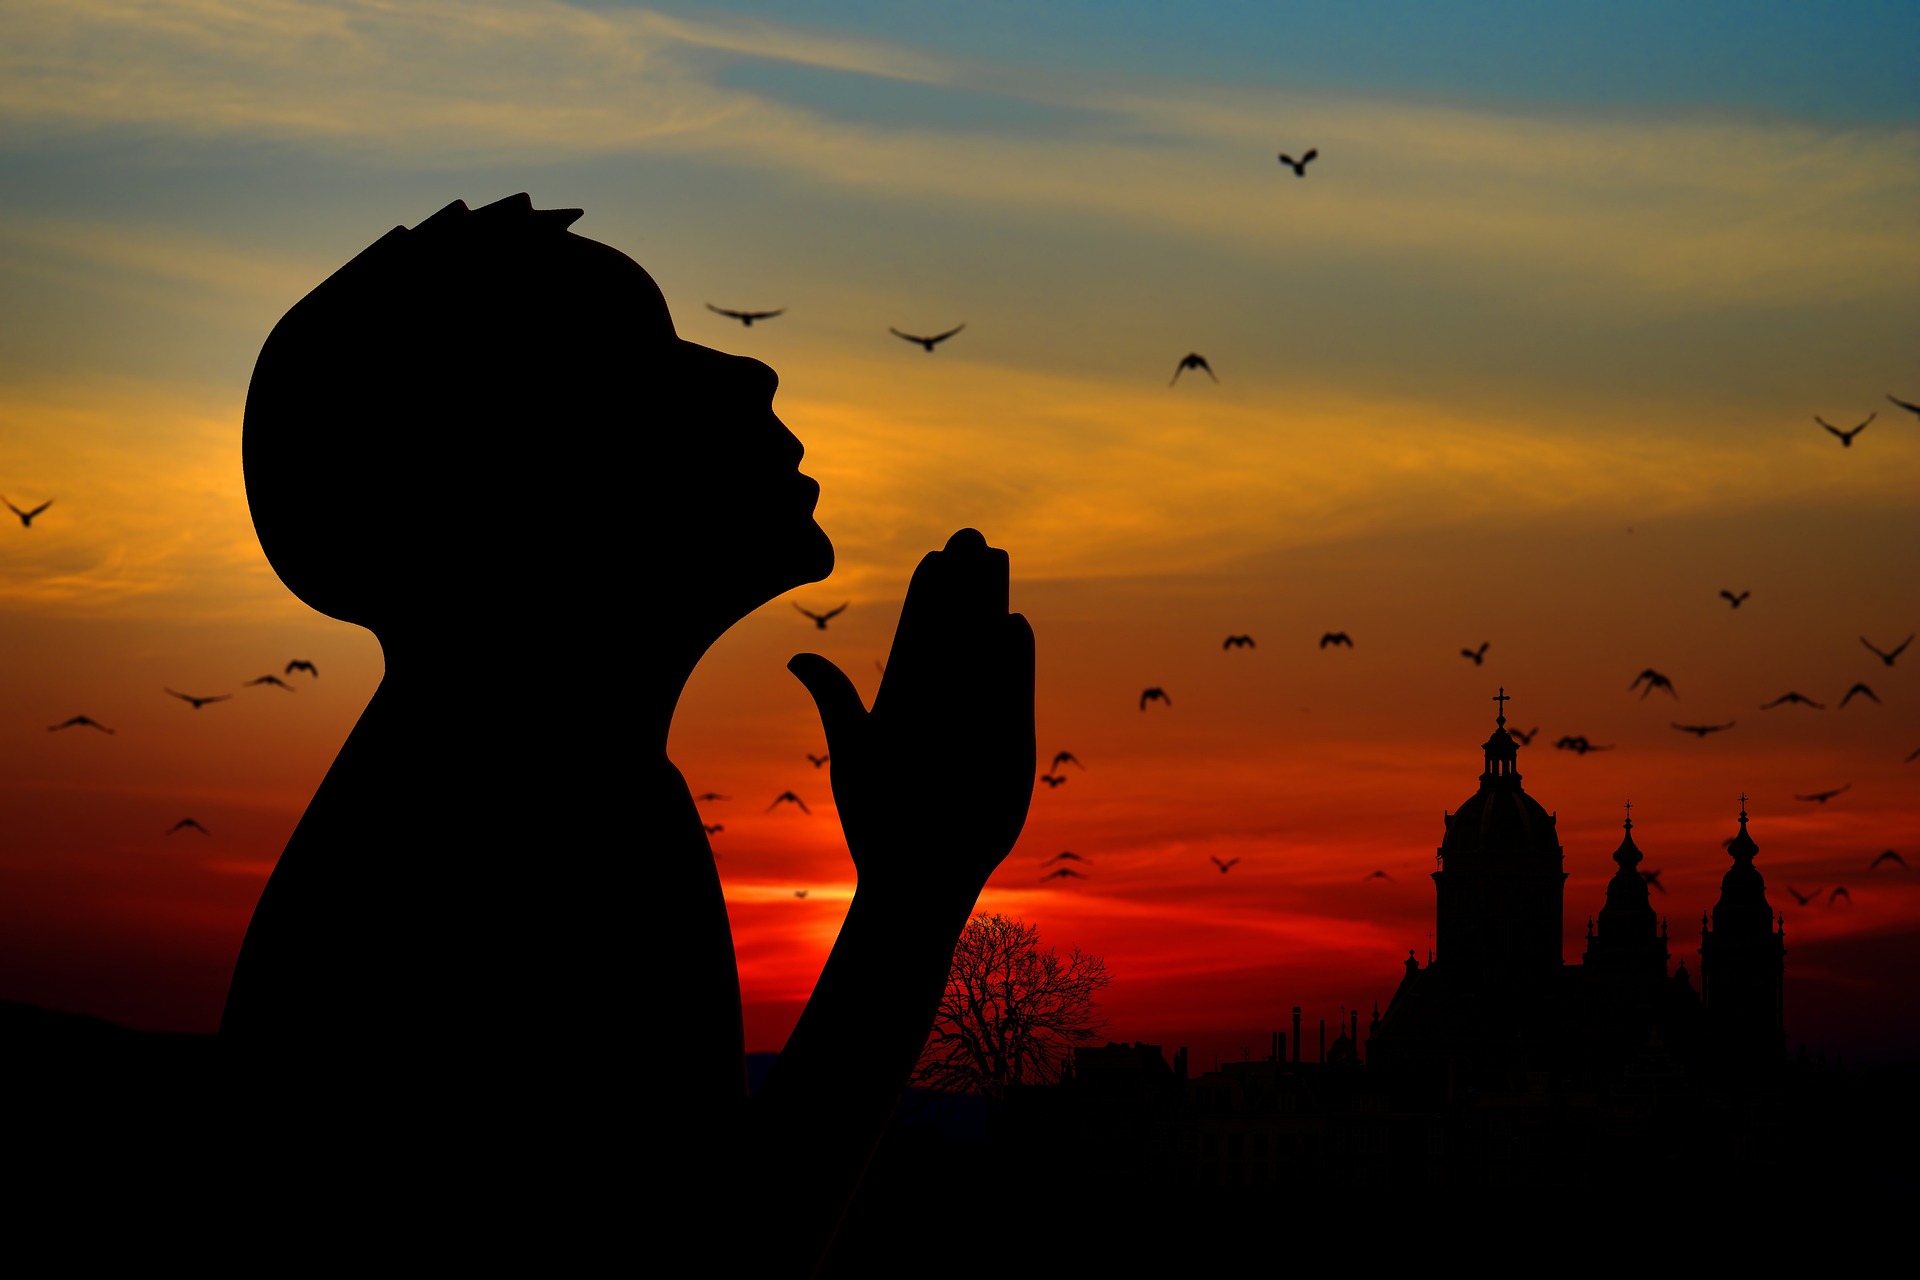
x=1296, y=1033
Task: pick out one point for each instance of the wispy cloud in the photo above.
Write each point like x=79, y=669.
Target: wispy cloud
x=1690, y=210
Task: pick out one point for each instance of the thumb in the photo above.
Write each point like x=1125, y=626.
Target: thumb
x=841, y=711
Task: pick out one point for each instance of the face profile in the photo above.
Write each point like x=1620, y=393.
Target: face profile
x=489, y=403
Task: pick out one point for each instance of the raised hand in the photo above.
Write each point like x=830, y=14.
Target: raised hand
x=953, y=719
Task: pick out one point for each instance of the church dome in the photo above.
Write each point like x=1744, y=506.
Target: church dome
x=1500, y=825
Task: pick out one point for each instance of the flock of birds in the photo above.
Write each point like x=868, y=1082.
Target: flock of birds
x=196, y=701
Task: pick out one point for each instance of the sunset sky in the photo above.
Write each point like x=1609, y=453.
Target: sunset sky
x=1531, y=356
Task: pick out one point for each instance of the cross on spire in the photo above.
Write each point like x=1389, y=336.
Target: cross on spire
x=1629, y=822
x=1743, y=806
x=1502, y=699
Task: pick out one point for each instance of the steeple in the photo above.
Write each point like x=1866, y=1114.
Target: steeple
x=1742, y=965
x=1501, y=751
x=1626, y=951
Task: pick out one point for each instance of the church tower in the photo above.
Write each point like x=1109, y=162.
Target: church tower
x=1501, y=885
x=1627, y=954
x=1743, y=949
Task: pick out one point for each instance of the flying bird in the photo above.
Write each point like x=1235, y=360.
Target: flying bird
x=1299, y=166
x=712, y=795
x=1702, y=730
x=301, y=664
x=786, y=797
x=712, y=828
x=1858, y=687
x=1377, y=875
x=1526, y=738
x=1910, y=408
x=1336, y=637
x=745, y=317
x=1067, y=855
x=1735, y=600
x=818, y=760
x=1653, y=879
x=88, y=721
x=799, y=893
x=273, y=680
x=1846, y=437
x=1052, y=780
x=1654, y=681
x=928, y=343
x=1578, y=744
x=1839, y=892
x=820, y=619
x=1802, y=898
x=1887, y=657
x=1793, y=697
x=1821, y=797
x=200, y=702
x=1155, y=694
x=1478, y=655
x=1192, y=360
x=1224, y=866
x=1062, y=874
x=1238, y=642
x=1065, y=757
x=1887, y=855
x=1912, y=756
x=26, y=517
x=188, y=824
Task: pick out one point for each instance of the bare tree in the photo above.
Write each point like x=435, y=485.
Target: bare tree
x=1011, y=1012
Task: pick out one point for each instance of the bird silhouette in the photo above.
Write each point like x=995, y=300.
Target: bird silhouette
x=1910, y=408
x=1063, y=873
x=928, y=343
x=1238, y=642
x=1821, y=797
x=820, y=619
x=1066, y=757
x=1887, y=657
x=87, y=721
x=1912, y=756
x=1225, y=866
x=745, y=317
x=712, y=795
x=200, y=702
x=1377, y=875
x=1839, y=892
x=1735, y=600
x=26, y=517
x=1654, y=681
x=1653, y=880
x=1526, y=738
x=1803, y=898
x=1846, y=437
x=1578, y=744
x=1887, y=855
x=1066, y=855
x=1192, y=360
x=1801, y=698
x=1479, y=655
x=1336, y=637
x=1155, y=694
x=1702, y=730
x=301, y=664
x=786, y=797
x=799, y=893
x=1299, y=166
x=273, y=680
x=1859, y=687
x=1052, y=780
x=818, y=760
x=712, y=828
x=188, y=824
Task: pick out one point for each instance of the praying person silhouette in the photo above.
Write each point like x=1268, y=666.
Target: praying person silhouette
x=511, y=910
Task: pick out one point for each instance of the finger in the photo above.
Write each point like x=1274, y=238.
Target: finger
x=1017, y=693
x=980, y=574
x=841, y=711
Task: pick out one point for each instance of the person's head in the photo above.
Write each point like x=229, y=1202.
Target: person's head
x=488, y=416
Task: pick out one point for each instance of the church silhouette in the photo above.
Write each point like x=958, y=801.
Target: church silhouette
x=1495, y=1000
